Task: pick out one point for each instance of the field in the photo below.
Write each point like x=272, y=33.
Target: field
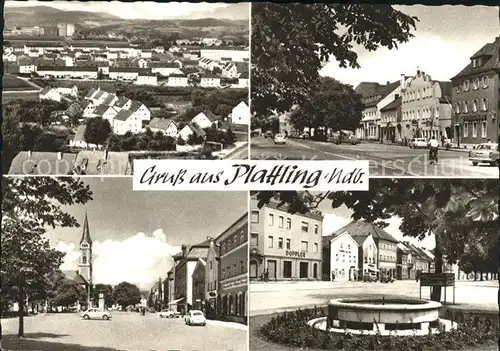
x=12, y=83
x=8, y=96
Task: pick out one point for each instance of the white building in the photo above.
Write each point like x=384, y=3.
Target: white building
x=9, y=57
x=221, y=54
x=159, y=49
x=229, y=70
x=106, y=112
x=343, y=257
x=166, y=69
x=125, y=121
x=146, y=79
x=204, y=119
x=368, y=254
x=68, y=89
x=140, y=111
x=210, y=82
x=164, y=125
x=177, y=81
x=241, y=114
x=49, y=93
x=191, y=129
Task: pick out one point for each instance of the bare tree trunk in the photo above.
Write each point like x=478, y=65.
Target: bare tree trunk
x=20, y=301
x=438, y=268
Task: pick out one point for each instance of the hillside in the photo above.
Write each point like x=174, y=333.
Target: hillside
x=49, y=16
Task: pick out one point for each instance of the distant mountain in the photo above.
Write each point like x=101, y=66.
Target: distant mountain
x=205, y=22
x=49, y=16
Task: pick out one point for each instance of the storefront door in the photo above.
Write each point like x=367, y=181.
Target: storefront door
x=304, y=270
x=271, y=266
x=287, y=269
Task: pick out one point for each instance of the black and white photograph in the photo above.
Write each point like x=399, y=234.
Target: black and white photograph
x=412, y=89
x=408, y=265
x=90, y=264
x=90, y=86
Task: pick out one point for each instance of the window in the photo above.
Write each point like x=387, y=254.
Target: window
x=288, y=244
x=280, y=221
x=305, y=227
x=337, y=257
x=485, y=82
x=475, y=83
x=343, y=258
x=254, y=239
x=304, y=246
x=484, y=104
x=255, y=216
x=288, y=223
x=280, y=243
x=223, y=273
x=474, y=105
x=466, y=106
x=315, y=248
x=210, y=264
x=84, y=258
x=242, y=267
x=457, y=107
x=474, y=129
x=234, y=269
x=316, y=229
x=271, y=219
x=270, y=242
x=483, y=129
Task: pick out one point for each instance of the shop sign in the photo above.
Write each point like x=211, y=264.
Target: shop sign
x=234, y=284
x=301, y=254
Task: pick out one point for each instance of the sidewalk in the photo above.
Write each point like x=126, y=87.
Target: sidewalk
x=225, y=324
x=397, y=144
x=228, y=153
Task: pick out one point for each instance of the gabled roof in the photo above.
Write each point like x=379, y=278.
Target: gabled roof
x=90, y=93
x=109, y=99
x=393, y=105
x=101, y=109
x=74, y=276
x=123, y=115
x=160, y=123
x=135, y=106
x=196, y=129
x=446, y=91
x=47, y=163
x=364, y=228
x=490, y=56
x=122, y=100
x=45, y=90
x=197, y=252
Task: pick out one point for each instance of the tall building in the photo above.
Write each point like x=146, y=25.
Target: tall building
x=232, y=294
x=284, y=246
x=211, y=281
x=85, y=264
x=341, y=257
x=476, y=97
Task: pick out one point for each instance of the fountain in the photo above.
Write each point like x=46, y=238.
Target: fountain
x=392, y=316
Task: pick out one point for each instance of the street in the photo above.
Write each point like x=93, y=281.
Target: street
x=125, y=331
x=268, y=298
x=385, y=159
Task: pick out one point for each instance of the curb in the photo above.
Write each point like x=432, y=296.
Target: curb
x=231, y=325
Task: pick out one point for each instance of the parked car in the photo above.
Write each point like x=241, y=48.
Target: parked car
x=347, y=139
x=370, y=277
x=485, y=153
x=419, y=143
x=279, y=139
x=268, y=134
x=96, y=313
x=165, y=314
x=195, y=317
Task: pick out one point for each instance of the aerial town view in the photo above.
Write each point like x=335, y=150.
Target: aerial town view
x=364, y=266
x=110, y=276
x=383, y=90
x=88, y=89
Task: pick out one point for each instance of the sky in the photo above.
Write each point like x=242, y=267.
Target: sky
x=135, y=234
x=444, y=40
x=335, y=219
x=148, y=10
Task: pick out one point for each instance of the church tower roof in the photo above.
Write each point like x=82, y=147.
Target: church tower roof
x=86, y=231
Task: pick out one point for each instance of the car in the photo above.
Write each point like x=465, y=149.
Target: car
x=419, y=143
x=485, y=153
x=168, y=314
x=96, y=313
x=195, y=317
x=279, y=139
x=268, y=134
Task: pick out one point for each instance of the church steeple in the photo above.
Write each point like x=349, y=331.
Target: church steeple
x=86, y=232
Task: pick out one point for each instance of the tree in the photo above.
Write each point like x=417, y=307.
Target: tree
x=97, y=131
x=290, y=42
x=69, y=293
x=223, y=110
x=462, y=214
x=29, y=206
x=126, y=294
x=100, y=75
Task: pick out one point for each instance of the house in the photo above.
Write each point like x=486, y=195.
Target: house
x=67, y=88
x=26, y=66
x=159, y=49
x=166, y=126
x=243, y=80
x=204, y=119
x=106, y=112
x=211, y=280
x=146, y=79
x=9, y=57
x=173, y=49
x=110, y=99
x=241, y=114
x=177, y=80
x=229, y=70
x=404, y=263
x=343, y=255
x=88, y=109
x=210, y=82
x=78, y=139
x=140, y=111
x=126, y=121
x=367, y=254
x=191, y=129
x=165, y=68
x=140, y=62
x=145, y=53
x=122, y=102
x=49, y=93
x=198, y=278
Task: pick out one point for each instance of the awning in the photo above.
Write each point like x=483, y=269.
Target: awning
x=175, y=301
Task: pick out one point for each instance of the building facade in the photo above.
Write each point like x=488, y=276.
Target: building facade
x=390, y=120
x=367, y=255
x=198, y=278
x=343, y=257
x=403, y=262
x=476, y=97
x=426, y=108
x=232, y=300
x=211, y=281
x=284, y=246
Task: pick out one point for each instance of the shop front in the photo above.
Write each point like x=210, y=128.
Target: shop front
x=211, y=305
x=295, y=265
x=233, y=299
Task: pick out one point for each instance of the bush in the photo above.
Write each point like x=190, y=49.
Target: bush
x=291, y=329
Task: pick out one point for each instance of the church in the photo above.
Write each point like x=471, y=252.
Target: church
x=83, y=276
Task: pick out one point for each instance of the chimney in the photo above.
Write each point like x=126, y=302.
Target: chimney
x=29, y=153
x=418, y=71
x=403, y=81
x=388, y=83
x=59, y=156
x=183, y=248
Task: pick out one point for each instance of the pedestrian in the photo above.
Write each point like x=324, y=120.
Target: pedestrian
x=266, y=275
x=333, y=276
x=442, y=140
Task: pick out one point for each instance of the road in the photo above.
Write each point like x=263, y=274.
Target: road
x=275, y=297
x=239, y=153
x=385, y=159
x=126, y=331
